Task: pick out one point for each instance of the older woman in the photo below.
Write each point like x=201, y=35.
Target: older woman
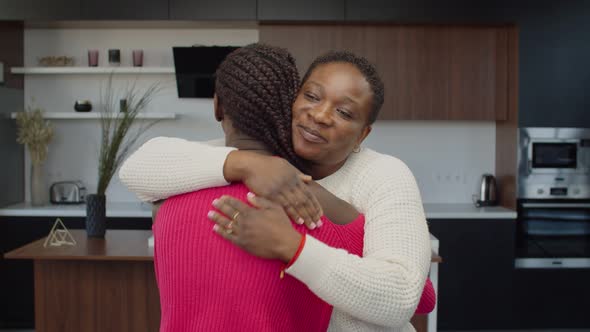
x=337, y=103
x=207, y=284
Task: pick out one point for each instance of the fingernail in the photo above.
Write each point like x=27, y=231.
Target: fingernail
x=210, y=214
x=312, y=225
x=299, y=221
x=215, y=228
x=215, y=202
x=320, y=223
x=250, y=194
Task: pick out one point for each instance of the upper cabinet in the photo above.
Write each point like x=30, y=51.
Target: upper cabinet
x=478, y=73
x=20, y=10
x=123, y=9
x=427, y=11
x=12, y=10
x=429, y=72
x=413, y=64
x=212, y=9
x=301, y=10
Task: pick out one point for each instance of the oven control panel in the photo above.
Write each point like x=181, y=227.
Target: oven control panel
x=550, y=191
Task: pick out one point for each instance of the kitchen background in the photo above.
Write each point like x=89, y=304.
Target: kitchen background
x=546, y=74
x=462, y=150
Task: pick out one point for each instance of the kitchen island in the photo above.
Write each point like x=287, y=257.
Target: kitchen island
x=97, y=285
x=109, y=284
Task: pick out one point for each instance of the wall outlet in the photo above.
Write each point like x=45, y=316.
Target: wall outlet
x=449, y=177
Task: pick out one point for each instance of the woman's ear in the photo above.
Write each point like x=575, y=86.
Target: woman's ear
x=364, y=134
x=217, y=109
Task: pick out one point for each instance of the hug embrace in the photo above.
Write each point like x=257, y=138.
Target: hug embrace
x=289, y=224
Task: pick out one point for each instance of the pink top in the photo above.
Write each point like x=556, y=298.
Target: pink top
x=427, y=300
x=208, y=284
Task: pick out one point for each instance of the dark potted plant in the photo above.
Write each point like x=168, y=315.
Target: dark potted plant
x=116, y=140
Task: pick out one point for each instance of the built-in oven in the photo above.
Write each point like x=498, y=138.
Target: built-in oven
x=553, y=198
x=553, y=234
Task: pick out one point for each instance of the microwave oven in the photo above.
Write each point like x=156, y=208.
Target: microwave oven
x=558, y=155
x=554, y=163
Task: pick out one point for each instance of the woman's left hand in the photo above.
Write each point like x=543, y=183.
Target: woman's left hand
x=263, y=230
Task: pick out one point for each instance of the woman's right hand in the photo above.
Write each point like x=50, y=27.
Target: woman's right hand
x=275, y=179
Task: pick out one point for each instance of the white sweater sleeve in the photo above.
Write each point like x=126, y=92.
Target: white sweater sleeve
x=168, y=166
x=383, y=287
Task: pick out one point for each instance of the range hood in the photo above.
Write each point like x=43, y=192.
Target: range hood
x=195, y=68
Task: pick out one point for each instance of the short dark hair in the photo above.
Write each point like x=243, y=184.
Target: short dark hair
x=256, y=86
x=366, y=69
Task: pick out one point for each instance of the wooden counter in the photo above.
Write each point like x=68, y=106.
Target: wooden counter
x=107, y=284
x=98, y=285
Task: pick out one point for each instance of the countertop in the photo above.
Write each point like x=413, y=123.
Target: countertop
x=118, y=245
x=466, y=211
x=114, y=210
x=144, y=210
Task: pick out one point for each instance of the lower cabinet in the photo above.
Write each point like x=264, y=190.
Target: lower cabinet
x=16, y=276
x=479, y=288
x=475, y=278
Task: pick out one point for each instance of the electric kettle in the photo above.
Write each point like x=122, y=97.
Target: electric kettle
x=487, y=194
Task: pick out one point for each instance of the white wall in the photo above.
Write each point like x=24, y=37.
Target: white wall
x=447, y=158
x=74, y=151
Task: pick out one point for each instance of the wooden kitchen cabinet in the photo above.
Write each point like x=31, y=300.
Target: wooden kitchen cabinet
x=429, y=72
x=212, y=9
x=411, y=61
x=478, y=62
x=16, y=276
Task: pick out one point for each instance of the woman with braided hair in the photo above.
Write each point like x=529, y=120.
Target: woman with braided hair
x=205, y=283
x=338, y=101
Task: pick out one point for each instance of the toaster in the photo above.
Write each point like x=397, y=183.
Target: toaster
x=67, y=192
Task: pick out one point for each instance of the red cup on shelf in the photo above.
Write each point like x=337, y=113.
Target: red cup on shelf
x=93, y=58
x=137, y=58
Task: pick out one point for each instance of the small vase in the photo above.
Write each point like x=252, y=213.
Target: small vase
x=96, y=220
x=37, y=186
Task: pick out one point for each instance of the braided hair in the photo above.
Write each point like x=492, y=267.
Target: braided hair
x=256, y=86
x=366, y=69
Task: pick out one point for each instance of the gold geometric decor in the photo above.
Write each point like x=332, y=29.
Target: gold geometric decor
x=59, y=236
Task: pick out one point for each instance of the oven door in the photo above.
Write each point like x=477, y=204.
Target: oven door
x=553, y=234
x=553, y=156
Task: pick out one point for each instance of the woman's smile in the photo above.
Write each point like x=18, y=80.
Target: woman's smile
x=311, y=135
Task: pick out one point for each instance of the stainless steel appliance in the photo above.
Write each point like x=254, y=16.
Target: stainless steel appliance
x=487, y=191
x=67, y=192
x=554, y=163
x=553, y=198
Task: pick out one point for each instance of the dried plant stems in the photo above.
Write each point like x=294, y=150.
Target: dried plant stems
x=117, y=138
x=35, y=133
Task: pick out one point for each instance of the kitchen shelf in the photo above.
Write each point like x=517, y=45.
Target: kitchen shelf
x=91, y=70
x=96, y=115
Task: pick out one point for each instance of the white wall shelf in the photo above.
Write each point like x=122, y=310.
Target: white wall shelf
x=91, y=70
x=96, y=115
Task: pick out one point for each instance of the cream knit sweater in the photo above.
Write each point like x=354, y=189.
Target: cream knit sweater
x=378, y=292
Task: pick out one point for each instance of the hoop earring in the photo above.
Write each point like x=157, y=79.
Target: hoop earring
x=356, y=149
